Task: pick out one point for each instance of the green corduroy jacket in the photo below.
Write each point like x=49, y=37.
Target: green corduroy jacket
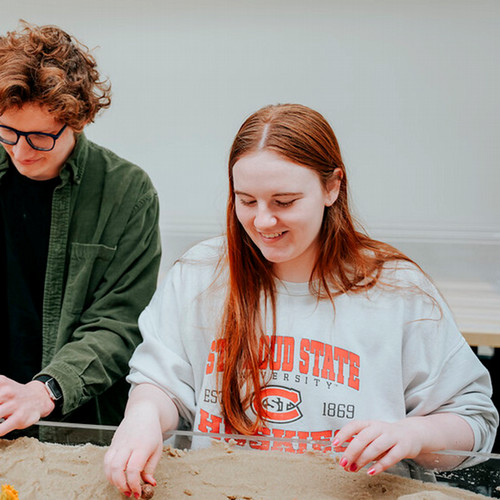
x=102, y=267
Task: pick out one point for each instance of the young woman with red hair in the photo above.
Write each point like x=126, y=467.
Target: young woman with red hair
x=298, y=325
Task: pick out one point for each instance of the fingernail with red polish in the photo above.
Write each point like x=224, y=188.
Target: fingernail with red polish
x=343, y=462
x=136, y=495
x=127, y=493
x=336, y=442
x=371, y=471
x=353, y=468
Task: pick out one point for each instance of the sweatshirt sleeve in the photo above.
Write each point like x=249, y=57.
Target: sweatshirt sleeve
x=161, y=359
x=176, y=338
x=442, y=373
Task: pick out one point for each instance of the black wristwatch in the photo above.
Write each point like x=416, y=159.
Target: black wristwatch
x=53, y=388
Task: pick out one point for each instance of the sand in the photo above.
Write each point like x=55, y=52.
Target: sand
x=46, y=471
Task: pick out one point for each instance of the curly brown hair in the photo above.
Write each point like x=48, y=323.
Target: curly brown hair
x=45, y=65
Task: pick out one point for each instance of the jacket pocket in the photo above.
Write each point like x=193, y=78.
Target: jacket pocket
x=87, y=265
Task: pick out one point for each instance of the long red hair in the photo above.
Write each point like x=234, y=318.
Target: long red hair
x=348, y=260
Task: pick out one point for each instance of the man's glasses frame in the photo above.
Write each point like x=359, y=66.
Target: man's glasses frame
x=20, y=134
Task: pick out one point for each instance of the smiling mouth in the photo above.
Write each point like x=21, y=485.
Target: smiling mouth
x=271, y=236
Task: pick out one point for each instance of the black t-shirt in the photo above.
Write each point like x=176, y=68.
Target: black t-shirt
x=25, y=212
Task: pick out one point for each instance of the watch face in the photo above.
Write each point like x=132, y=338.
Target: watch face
x=54, y=389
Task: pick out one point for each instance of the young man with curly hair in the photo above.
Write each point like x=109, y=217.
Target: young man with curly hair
x=79, y=239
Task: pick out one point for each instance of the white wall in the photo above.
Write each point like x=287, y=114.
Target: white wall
x=410, y=88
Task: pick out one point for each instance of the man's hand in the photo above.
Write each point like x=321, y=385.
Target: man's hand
x=22, y=405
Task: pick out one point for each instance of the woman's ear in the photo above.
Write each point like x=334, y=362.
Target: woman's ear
x=333, y=187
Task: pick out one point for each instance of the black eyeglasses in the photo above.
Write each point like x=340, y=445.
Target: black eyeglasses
x=41, y=141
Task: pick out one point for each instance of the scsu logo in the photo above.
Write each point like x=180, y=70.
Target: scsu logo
x=281, y=404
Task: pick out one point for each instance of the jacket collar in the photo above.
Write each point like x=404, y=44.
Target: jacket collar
x=74, y=167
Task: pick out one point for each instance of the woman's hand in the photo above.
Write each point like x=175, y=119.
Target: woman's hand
x=385, y=444
x=137, y=445
x=134, y=454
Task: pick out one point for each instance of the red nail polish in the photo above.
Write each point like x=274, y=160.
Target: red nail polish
x=127, y=493
x=343, y=462
x=371, y=471
x=353, y=468
x=136, y=495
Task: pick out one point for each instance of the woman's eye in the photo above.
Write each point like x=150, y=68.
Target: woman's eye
x=247, y=203
x=284, y=203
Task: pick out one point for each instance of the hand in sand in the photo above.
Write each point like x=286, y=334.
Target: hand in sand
x=137, y=445
x=22, y=405
x=134, y=453
x=385, y=444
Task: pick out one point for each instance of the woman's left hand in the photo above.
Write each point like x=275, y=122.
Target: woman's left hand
x=383, y=443
x=387, y=443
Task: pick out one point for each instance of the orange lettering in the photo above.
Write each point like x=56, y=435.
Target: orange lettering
x=317, y=349
x=209, y=423
x=353, y=371
x=288, y=345
x=328, y=371
x=342, y=356
x=211, y=359
x=319, y=436
x=304, y=356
